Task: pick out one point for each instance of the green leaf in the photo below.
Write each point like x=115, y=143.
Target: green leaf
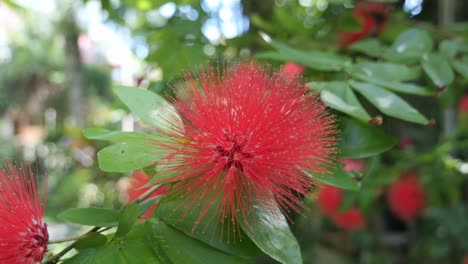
x=358, y=140
x=270, y=231
x=83, y=257
x=384, y=71
x=338, y=178
x=94, y=240
x=117, y=252
x=317, y=60
x=128, y=216
x=448, y=48
x=461, y=66
x=438, y=69
x=371, y=47
x=407, y=88
x=388, y=102
x=127, y=157
x=211, y=232
x=339, y=96
x=91, y=216
x=181, y=249
x=118, y=136
x=150, y=107
x=410, y=46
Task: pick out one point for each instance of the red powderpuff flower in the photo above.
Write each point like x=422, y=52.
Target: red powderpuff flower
x=406, y=198
x=137, y=181
x=23, y=234
x=246, y=136
x=463, y=105
x=329, y=200
x=373, y=18
x=292, y=69
x=350, y=220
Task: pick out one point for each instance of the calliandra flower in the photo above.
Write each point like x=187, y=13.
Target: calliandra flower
x=372, y=17
x=23, y=234
x=356, y=165
x=406, y=198
x=463, y=105
x=246, y=136
x=329, y=201
x=139, y=179
x=292, y=69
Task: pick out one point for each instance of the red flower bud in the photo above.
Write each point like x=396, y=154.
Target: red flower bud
x=406, y=198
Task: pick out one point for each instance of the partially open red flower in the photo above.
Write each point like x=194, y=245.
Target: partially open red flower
x=463, y=105
x=292, y=69
x=246, y=136
x=135, y=190
x=23, y=234
x=406, y=198
x=372, y=17
x=329, y=200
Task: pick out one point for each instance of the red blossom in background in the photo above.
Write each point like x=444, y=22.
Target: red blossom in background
x=135, y=190
x=351, y=219
x=292, y=69
x=465, y=259
x=247, y=136
x=463, y=105
x=23, y=234
x=329, y=200
x=406, y=198
x=405, y=143
x=372, y=17
x=356, y=165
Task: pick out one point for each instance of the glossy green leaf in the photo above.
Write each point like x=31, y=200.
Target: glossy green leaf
x=371, y=47
x=127, y=157
x=270, y=231
x=211, y=232
x=128, y=216
x=150, y=107
x=339, y=96
x=410, y=46
x=181, y=249
x=83, y=257
x=323, y=61
x=438, y=69
x=338, y=178
x=94, y=240
x=117, y=136
x=91, y=216
x=388, y=102
x=359, y=140
x=384, y=71
x=407, y=88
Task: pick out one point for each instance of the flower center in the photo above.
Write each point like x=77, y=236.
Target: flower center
x=36, y=242
x=232, y=154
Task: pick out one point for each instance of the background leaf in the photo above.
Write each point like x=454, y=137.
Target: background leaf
x=388, y=102
x=438, y=69
x=360, y=140
x=91, y=216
